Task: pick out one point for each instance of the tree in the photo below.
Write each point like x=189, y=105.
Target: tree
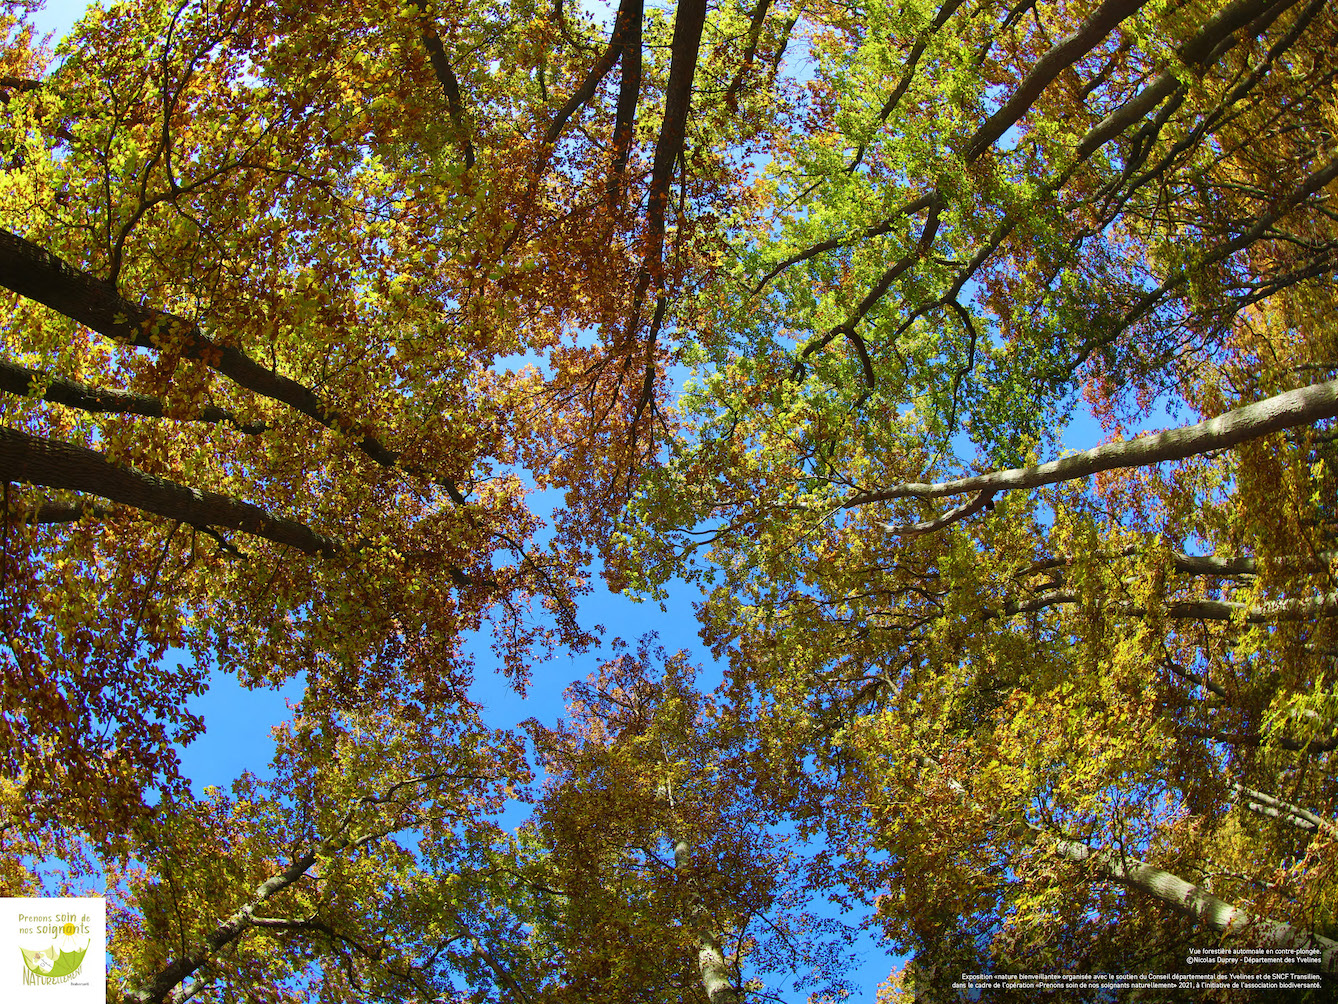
x=1045, y=719
x=270, y=272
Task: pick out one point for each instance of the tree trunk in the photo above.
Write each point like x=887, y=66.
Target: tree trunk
x=710, y=960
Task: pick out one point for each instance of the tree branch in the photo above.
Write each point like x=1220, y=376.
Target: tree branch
x=629, y=93
x=20, y=380
x=755, y=25
x=1303, y=406
x=450, y=86
x=950, y=517
x=1272, y=611
x=500, y=972
x=1169, y=888
x=1258, y=801
x=1102, y=21
x=1254, y=739
x=157, y=989
x=600, y=69
x=20, y=84
x=1197, y=902
x=36, y=273
x=1214, y=38
x=47, y=512
x=53, y=464
x=907, y=74
x=688, y=24
x=916, y=205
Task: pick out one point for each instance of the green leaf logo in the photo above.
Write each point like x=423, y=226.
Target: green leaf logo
x=51, y=963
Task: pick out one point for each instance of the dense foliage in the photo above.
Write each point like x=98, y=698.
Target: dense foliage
x=793, y=301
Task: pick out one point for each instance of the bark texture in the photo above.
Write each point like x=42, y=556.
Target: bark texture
x=53, y=464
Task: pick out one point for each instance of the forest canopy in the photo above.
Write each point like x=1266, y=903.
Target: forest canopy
x=303, y=306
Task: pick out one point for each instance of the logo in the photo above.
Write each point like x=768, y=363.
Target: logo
x=53, y=949
x=62, y=962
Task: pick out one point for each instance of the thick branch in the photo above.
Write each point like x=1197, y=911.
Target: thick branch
x=1213, y=565
x=950, y=517
x=54, y=464
x=34, y=272
x=1065, y=54
x=1197, y=902
x=46, y=512
x=1303, y=406
x=688, y=24
x=1171, y=889
x=621, y=27
x=450, y=87
x=20, y=84
x=629, y=93
x=1268, y=805
x=1214, y=38
x=22, y=381
x=1269, y=612
x=1325, y=605
x=157, y=989
x=756, y=22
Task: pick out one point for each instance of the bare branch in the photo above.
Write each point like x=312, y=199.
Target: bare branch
x=1284, y=411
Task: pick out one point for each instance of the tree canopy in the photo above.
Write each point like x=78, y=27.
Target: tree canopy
x=303, y=306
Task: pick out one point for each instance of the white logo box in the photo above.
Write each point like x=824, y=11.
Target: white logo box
x=53, y=950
